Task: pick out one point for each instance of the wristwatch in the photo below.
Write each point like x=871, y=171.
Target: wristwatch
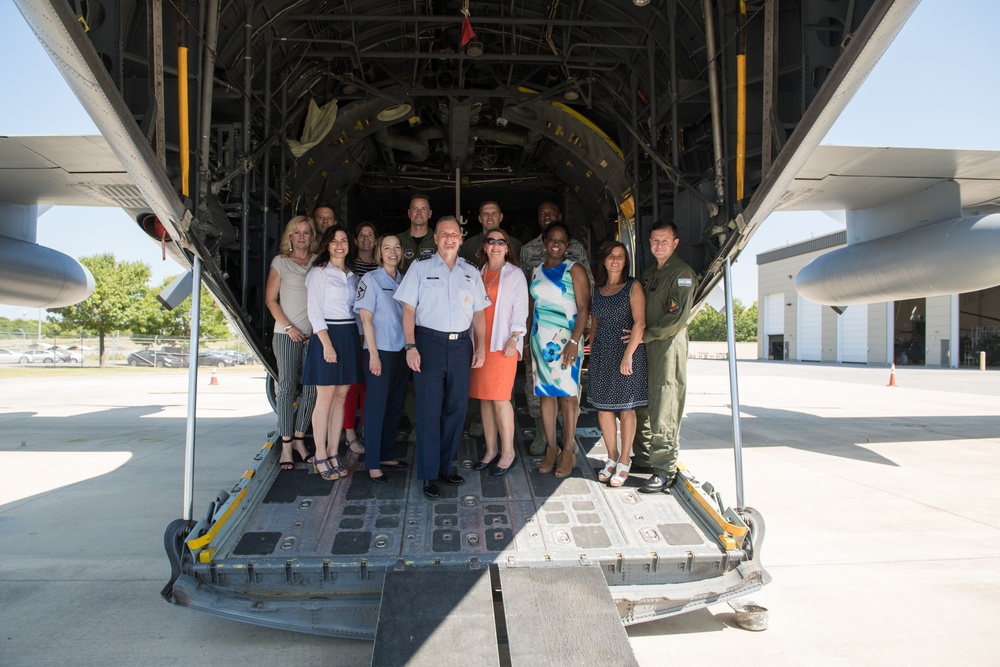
x=574, y=342
x=410, y=346
x=289, y=327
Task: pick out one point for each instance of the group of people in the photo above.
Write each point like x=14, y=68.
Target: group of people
x=363, y=319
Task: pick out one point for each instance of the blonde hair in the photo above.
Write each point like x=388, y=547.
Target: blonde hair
x=285, y=244
x=377, y=252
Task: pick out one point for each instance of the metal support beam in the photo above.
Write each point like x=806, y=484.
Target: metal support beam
x=245, y=135
x=716, y=102
x=192, y=411
x=734, y=388
x=154, y=34
x=770, y=83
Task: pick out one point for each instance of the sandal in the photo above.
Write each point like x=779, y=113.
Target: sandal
x=338, y=467
x=285, y=465
x=356, y=446
x=325, y=469
x=618, y=479
x=566, y=463
x=608, y=472
x=551, y=456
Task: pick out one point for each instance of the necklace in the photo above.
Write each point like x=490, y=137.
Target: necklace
x=612, y=288
x=496, y=275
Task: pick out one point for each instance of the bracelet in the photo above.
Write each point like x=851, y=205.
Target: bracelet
x=574, y=342
x=289, y=327
x=515, y=336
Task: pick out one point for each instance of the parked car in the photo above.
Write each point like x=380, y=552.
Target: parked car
x=9, y=357
x=38, y=356
x=215, y=358
x=70, y=356
x=239, y=358
x=151, y=358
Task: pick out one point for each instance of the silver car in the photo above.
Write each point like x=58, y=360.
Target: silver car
x=38, y=356
x=9, y=357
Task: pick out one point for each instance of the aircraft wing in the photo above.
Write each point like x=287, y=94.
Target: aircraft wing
x=855, y=177
x=64, y=171
x=920, y=222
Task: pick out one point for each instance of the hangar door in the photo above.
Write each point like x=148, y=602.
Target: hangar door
x=774, y=325
x=852, y=335
x=810, y=338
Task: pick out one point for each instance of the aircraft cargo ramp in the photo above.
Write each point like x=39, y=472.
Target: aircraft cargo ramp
x=290, y=550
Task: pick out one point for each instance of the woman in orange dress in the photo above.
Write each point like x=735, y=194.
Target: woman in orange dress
x=506, y=324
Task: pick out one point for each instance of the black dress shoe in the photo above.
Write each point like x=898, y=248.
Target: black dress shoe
x=483, y=465
x=378, y=480
x=451, y=479
x=642, y=469
x=658, y=483
x=393, y=465
x=500, y=472
x=431, y=490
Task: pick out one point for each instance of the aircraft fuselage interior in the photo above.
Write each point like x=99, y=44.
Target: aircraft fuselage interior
x=231, y=115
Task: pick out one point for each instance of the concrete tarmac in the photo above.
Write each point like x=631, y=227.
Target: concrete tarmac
x=881, y=507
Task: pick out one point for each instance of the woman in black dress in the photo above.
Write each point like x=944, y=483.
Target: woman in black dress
x=617, y=370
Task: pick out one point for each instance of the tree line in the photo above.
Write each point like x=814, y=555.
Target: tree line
x=710, y=324
x=123, y=301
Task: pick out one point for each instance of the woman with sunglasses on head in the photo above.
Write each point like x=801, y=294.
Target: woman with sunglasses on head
x=333, y=362
x=285, y=297
x=561, y=293
x=506, y=319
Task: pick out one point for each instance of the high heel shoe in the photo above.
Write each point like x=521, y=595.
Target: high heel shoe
x=483, y=465
x=566, y=463
x=290, y=464
x=298, y=451
x=325, y=469
x=607, y=473
x=618, y=479
x=551, y=456
x=500, y=472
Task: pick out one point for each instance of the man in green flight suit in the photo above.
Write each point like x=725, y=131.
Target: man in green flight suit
x=417, y=241
x=670, y=287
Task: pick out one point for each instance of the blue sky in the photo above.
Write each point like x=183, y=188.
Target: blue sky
x=936, y=87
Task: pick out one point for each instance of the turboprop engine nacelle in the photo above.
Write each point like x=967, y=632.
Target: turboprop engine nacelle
x=38, y=277
x=949, y=257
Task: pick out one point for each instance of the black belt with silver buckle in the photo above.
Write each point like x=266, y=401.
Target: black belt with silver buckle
x=449, y=335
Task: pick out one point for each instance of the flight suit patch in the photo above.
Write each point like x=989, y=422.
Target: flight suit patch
x=408, y=254
x=673, y=307
x=684, y=282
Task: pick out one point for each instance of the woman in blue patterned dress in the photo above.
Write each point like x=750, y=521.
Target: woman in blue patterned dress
x=617, y=370
x=560, y=292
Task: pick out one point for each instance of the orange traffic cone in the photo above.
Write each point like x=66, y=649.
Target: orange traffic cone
x=215, y=378
x=892, y=376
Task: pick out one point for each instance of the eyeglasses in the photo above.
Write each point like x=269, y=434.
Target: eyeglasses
x=496, y=242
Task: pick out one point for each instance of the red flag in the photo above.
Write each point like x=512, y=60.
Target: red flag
x=467, y=32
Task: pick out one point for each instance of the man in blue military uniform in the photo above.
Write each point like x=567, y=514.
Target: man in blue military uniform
x=443, y=301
